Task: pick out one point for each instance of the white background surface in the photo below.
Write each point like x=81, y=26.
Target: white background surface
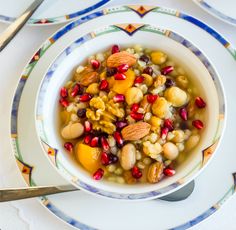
x=29, y=214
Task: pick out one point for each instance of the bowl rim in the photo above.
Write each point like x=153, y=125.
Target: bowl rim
x=171, y=187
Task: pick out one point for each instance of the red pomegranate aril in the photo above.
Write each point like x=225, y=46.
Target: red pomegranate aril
x=137, y=116
x=85, y=97
x=139, y=80
x=95, y=63
x=105, y=159
x=103, y=85
x=118, y=138
x=119, y=98
x=200, y=103
x=121, y=124
x=135, y=107
x=136, y=173
x=115, y=49
x=168, y=123
x=166, y=70
x=98, y=174
x=94, y=142
x=122, y=68
x=75, y=90
x=63, y=92
x=169, y=171
x=183, y=114
x=164, y=132
x=87, y=139
x=64, y=102
x=87, y=126
x=198, y=124
x=68, y=146
x=105, y=144
x=119, y=76
x=151, y=98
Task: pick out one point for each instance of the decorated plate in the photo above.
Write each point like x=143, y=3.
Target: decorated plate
x=224, y=10
x=84, y=211
x=50, y=12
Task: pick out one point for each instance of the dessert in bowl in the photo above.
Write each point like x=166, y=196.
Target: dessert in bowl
x=134, y=120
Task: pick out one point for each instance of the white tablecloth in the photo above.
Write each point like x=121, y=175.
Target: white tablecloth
x=29, y=214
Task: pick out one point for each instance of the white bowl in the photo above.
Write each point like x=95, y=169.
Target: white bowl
x=200, y=72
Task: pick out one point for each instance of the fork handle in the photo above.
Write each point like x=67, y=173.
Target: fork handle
x=14, y=28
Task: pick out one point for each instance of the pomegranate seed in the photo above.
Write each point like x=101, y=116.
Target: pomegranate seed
x=115, y=49
x=122, y=68
x=105, y=159
x=105, y=144
x=183, y=114
x=118, y=139
x=144, y=58
x=135, y=107
x=136, y=173
x=121, y=124
x=113, y=158
x=169, y=124
x=98, y=174
x=169, y=82
x=87, y=126
x=119, y=98
x=64, y=102
x=200, y=103
x=148, y=70
x=198, y=124
x=104, y=85
x=85, y=97
x=95, y=63
x=87, y=139
x=75, y=90
x=164, y=132
x=166, y=70
x=68, y=146
x=139, y=80
x=151, y=98
x=119, y=76
x=137, y=116
x=94, y=142
x=63, y=92
x=169, y=171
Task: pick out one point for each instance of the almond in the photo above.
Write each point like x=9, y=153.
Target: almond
x=136, y=131
x=86, y=77
x=120, y=58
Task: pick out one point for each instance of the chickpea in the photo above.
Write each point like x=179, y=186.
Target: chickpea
x=178, y=136
x=93, y=88
x=170, y=151
x=160, y=107
x=148, y=80
x=158, y=57
x=182, y=81
x=192, y=142
x=155, y=122
x=133, y=95
x=176, y=96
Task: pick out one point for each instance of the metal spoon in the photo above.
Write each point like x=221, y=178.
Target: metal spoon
x=23, y=193
x=15, y=27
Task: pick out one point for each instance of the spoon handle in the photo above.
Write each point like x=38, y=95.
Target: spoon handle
x=23, y=193
x=14, y=28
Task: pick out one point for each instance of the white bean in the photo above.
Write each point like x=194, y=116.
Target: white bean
x=170, y=151
x=72, y=131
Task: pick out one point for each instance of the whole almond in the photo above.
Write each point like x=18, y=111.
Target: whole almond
x=120, y=58
x=86, y=77
x=136, y=131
